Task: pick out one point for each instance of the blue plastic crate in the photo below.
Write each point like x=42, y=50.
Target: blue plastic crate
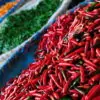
x=11, y=10
x=25, y=55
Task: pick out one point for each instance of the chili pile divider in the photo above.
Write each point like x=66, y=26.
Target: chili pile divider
x=67, y=61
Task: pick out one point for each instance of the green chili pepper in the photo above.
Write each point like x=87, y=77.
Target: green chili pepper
x=75, y=82
x=66, y=98
x=30, y=98
x=92, y=7
x=80, y=91
x=21, y=26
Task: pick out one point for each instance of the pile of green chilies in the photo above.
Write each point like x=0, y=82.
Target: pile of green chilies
x=20, y=27
x=67, y=63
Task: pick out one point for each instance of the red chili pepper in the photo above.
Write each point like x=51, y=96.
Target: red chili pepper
x=75, y=96
x=74, y=76
x=51, y=83
x=91, y=68
x=32, y=93
x=95, y=91
x=86, y=86
x=60, y=77
x=19, y=95
x=64, y=64
x=95, y=78
x=55, y=81
x=44, y=97
x=97, y=21
x=44, y=87
x=96, y=60
x=64, y=76
x=37, y=98
x=31, y=82
x=89, y=62
x=86, y=47
x=96, y=98
x=82, y=73
x=45, y=77
x=75, y=52
x=73, y=91
x=98, y=52
x=69, y=46
x=81, y=43
x=86, y=14
x=74, y=42
x=51, y=97
x=56, y=95
x=1, y=97
x=92, y=49
x=66, y=87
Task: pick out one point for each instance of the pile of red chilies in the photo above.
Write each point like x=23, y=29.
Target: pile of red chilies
x=67, y=61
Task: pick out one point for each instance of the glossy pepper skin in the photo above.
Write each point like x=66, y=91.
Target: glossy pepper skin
x=67, y=61
x=93, y=94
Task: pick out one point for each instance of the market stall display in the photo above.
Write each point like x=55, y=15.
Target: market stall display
x=67, y=61
x=20, y=27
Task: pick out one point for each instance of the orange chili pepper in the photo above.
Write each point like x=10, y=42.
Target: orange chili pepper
x=5, y=8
